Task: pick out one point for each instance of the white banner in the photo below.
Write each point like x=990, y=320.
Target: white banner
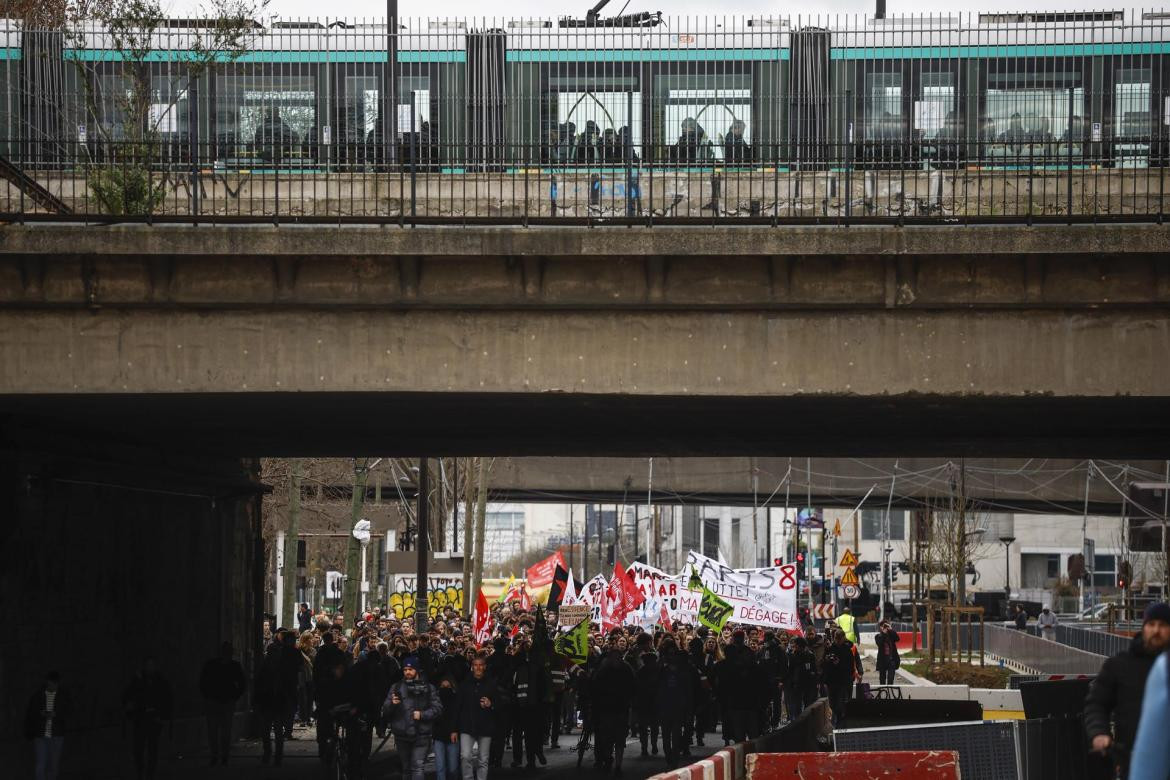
x=681, y=604
x=593, y=593
x=760, y=597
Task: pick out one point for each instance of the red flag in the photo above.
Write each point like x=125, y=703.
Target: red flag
x=481, y=620
x=632, y=598
x=542, y=573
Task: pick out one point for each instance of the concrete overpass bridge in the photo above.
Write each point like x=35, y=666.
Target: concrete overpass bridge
x=142, y=369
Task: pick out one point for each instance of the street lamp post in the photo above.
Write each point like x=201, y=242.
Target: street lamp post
x=1007, y=570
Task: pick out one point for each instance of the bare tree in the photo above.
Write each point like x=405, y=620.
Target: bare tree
x=954, y=540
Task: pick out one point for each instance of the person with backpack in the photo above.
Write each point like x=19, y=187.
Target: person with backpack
x=412, y=707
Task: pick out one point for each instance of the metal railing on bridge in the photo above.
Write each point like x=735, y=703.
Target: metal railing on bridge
x=641, y=120
x=1039, y=655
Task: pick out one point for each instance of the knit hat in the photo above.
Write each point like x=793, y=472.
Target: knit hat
x=1158, y=611
x=410, y=662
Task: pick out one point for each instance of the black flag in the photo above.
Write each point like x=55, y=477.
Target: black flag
x=556, y=591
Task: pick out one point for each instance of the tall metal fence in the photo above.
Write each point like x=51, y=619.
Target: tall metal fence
x=1040, y=655
x=950, y=118
x=1093, y=639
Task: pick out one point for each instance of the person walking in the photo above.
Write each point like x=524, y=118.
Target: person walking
x=801, y=686
x=446, y=733
x=611, y=690
x=147, y=703
x=476, y=703
x=839, y=672
x=888, y=659
x=646, y=708
x=1047, y=624
x=411, y=707
x=1021, y=618
x=45, y=719
x=221, y=683
x=674, y=700
x=1151, y=749
x=1115, y=695
x=271, y=699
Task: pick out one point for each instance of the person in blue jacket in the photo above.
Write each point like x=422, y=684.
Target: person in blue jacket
x=1151, y=749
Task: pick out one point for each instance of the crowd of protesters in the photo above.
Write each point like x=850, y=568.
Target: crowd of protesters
x=472, y=703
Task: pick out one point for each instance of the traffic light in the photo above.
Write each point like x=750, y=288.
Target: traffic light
x=1124, y=575
x=800, y=564
x=777, y=561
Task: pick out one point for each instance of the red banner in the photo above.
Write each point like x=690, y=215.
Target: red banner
x=541, y=574
x=481, y=619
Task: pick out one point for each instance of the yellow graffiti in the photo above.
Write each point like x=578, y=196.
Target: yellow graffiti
x=439, y=599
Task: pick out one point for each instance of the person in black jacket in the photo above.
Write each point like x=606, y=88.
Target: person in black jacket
x=801, y=685
x=674, y=699
x=412, y=707
x=646, y=703
x=839, y=668
x=740, y=681
x=45, y=722
x=610, y=691
x=888, y=659
x=445, y=732
x=476, y=703
x=221, y=683
x=1117, y=691
x=528, y=691
x=365, y=684
x=271, y=698
x=147, y=703
x=329, y=691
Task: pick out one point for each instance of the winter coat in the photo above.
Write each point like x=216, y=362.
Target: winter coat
x=838, y=664
x=271, y=693
x=802, y=673
x=34, y=721
x=414, y=696
x=675, y=697
x=365, y=683
x=887, y=650
x=222, y=681
x=740, y=679
x=328, y=656
x=646, y=685
x=445, y=724
x=470, y=718
x=612, y=688
x=1117, y=693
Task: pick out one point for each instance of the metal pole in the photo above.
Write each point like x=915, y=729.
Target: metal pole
x=455, y=503
x=650, y=529
x=1085, y=531
x=755, y=512
x=422, y=544
x=390, y=85
x=365, y=586
x=570, y=537
x=278, y=607
x=883, y=590
x=808, y=547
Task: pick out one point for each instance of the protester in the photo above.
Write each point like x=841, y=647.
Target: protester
x=271, y=699
x=476, y=704
x=611, y=690
x=221, y=683
x=1021, y=618
x=412, y=707
x=46, y=719
x=1115, y=695
x=147, y=703
x=677, y=682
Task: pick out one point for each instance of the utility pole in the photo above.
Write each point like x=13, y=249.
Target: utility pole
x=469, y=595
x=361, y=473
x=755, y=513
x=570, y=537
x=290, y=549
x=421, y=614
x=480, y=521
x=585, y=546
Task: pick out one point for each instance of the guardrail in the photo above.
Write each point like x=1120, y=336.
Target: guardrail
x=1040, y=655
x=946, y=118
x=1092, y=640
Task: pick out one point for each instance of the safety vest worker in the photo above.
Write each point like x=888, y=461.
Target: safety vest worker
x=847, y=623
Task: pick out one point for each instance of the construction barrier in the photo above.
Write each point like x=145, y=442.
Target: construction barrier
x=811, y=731
x=903, y=764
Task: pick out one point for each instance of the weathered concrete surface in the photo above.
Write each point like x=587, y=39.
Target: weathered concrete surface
x=570, y=241
x=874, y=353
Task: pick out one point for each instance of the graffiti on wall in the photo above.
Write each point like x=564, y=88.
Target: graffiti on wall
x=443, y=591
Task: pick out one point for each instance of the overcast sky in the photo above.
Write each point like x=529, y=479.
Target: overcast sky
x=555, y=8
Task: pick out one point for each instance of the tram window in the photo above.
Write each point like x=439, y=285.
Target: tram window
x=361, y=107
x=883, y=106
x=707, y=117
x=592, y=125
x=1131, y=103
x=934, y=112
x=114, y=92
x=265, y=118
x=1019, y=118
